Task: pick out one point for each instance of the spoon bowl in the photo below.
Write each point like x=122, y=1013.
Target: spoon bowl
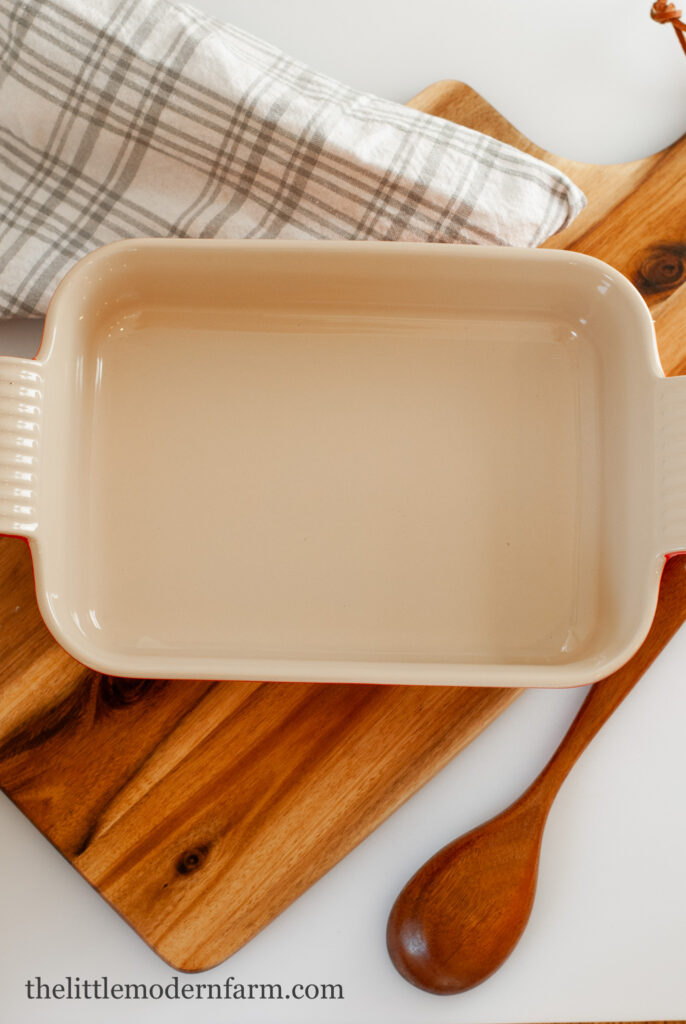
x=461, y=915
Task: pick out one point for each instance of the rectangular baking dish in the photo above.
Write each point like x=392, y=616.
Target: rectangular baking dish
x=345, y=462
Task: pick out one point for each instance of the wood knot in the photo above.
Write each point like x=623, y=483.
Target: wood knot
x=119, y=693
x=191, y=860
x=664, y=12
x=661, y=269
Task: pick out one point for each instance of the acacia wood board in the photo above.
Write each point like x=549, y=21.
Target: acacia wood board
x=201, y=810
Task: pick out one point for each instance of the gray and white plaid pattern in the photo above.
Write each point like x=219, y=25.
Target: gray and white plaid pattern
x=137, y=118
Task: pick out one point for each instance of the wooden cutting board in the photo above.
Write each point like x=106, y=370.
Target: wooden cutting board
x=201, y=810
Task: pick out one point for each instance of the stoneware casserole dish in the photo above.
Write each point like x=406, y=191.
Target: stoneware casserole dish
x=345, y=462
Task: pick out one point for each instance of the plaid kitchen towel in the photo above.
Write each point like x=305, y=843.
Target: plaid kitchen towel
x=138, y=118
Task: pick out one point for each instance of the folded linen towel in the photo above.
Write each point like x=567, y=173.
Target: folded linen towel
x=138, y=118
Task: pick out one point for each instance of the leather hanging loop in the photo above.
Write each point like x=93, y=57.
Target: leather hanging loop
x=666, y=13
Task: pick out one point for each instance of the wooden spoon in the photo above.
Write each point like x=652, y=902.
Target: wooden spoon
x=461, y=915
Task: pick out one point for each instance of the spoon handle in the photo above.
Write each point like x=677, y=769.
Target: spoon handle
x=604, y=697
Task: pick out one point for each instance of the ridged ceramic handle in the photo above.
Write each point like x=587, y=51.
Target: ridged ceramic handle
x=670, y=417
x=21, y=406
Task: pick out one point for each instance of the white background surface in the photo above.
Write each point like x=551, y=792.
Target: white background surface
x=607, y=937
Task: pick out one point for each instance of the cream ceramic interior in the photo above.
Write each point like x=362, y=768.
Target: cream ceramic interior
x=356, y=462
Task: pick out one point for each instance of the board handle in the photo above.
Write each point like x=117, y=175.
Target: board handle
x=670, y=463
x=21, y=415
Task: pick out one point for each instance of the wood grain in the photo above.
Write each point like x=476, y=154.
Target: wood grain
x=202, y=810
x=605, y=185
